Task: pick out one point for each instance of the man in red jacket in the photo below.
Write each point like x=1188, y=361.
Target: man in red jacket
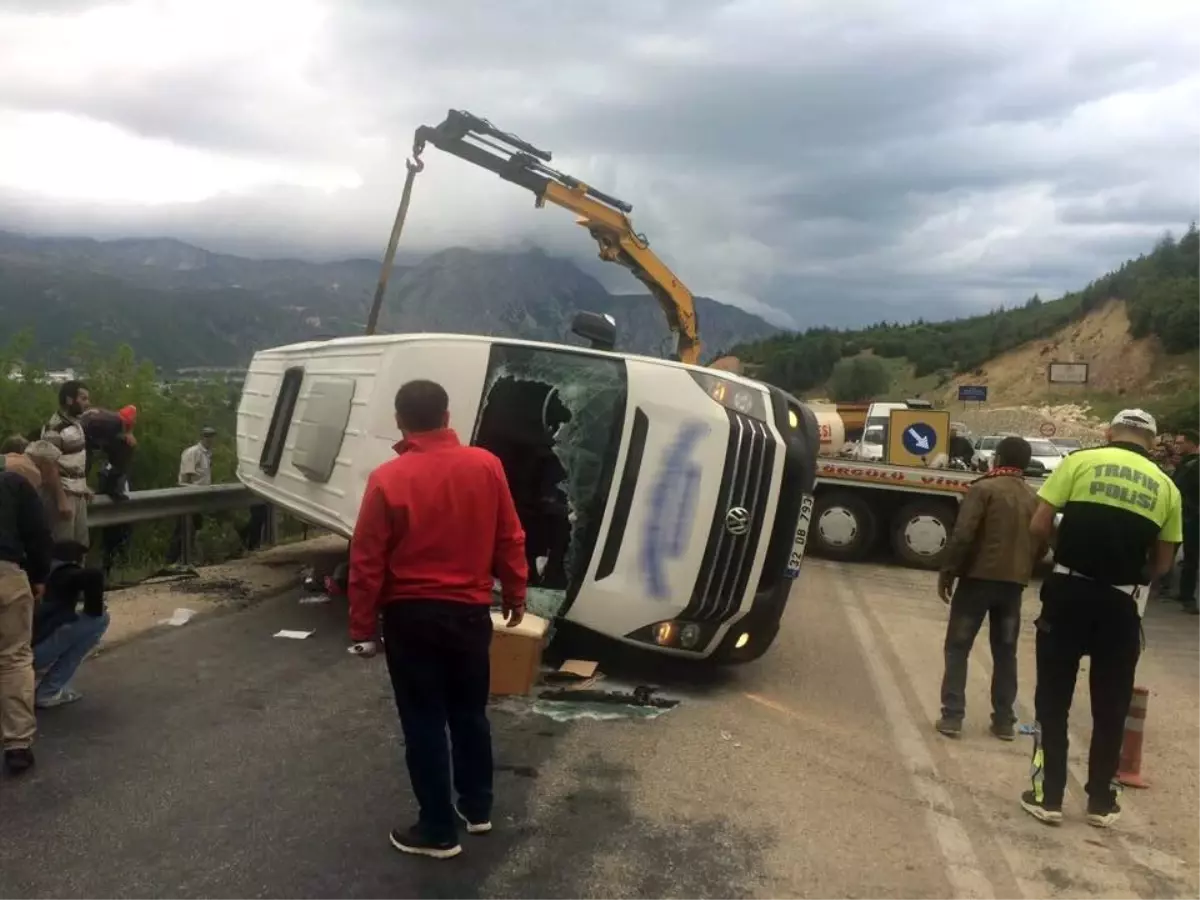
x=436, y=524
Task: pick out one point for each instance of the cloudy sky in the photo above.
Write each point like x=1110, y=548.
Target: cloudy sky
x=838, y=161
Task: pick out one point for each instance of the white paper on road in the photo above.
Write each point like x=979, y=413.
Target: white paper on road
x=314, y=599
x=181, y=616
x=293, y=634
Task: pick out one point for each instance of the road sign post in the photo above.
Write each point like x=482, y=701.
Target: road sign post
x=973, y=392
x=1047, y=429
x=917, y=437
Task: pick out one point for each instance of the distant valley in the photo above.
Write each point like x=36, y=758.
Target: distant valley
x=182, y=306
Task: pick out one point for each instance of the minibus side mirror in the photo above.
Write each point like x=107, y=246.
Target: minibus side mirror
x=600, y=331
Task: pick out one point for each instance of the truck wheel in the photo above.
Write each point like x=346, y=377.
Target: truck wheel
x=843, y=526
x=920, y=532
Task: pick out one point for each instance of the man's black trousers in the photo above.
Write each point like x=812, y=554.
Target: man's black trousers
x=1084, y=618
x=438, y=658
x=1000, y=603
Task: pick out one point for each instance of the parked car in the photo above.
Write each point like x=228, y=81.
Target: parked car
x=1046, y=453
x=985, y=449
x=1067, y=445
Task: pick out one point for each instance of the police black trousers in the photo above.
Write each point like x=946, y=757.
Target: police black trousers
x=1083, y=618
x=438, y=659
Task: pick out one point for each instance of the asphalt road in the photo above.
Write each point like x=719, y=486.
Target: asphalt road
x=216, y=760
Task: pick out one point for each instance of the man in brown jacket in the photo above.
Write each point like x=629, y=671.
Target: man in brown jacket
x=991, y=555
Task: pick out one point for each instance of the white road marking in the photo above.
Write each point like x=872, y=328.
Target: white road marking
x=1108, y=879
x=961, y=865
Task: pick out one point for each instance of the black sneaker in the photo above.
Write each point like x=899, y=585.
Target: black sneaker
x=949, y=727
x=1006, y=731
x=413, y=840
x=1103, y=812
x=482, y=826
x=18, y=760
x=1051, y=815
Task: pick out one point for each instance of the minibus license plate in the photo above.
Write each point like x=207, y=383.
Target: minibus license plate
x=797, y=557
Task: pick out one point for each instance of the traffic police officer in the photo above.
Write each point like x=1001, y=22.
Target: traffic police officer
x=1121, y=522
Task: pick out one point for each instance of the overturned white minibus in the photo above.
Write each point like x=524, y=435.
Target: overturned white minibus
x=665, y=505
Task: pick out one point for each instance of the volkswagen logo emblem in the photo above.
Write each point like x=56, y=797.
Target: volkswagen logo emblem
x=737, y=521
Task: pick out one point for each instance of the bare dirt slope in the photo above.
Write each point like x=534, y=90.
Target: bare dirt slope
x=1116, y=362
x=1121, y=372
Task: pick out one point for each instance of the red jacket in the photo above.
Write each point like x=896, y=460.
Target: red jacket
x=437, y=522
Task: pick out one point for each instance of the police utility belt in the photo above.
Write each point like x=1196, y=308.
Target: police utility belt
x=1131, y=589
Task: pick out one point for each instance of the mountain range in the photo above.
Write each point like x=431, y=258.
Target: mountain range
x=182, y=306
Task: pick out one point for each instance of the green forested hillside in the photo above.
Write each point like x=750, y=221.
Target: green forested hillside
x=1161, y=291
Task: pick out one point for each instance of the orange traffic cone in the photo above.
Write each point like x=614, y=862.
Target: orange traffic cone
x=1129, y=773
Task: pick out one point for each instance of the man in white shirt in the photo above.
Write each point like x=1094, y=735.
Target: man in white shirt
x=195, y=470
x=195, y=463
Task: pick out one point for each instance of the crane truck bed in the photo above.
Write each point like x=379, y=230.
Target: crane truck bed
x=857, y=504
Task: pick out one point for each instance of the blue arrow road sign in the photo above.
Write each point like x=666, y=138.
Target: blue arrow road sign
x=919, y=438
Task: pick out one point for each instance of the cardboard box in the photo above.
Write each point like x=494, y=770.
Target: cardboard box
x=516, y=654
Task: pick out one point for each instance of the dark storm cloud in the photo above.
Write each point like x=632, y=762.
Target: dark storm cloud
x=842, y=162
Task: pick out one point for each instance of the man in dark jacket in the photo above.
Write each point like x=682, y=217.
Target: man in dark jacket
x=991, y=555
x=24, y=539
x=62, y=638
x=435, y=524
x=1187, y=479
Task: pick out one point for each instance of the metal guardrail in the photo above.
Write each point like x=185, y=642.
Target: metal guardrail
x=170, y=503
x=182, y=504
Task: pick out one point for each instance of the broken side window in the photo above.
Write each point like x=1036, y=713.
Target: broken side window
x=553, y=417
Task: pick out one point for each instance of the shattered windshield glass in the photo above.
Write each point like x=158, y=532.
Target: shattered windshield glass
x=553, y=417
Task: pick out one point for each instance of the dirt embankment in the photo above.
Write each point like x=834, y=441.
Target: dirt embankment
x=1117, y=364
x=143, y=607
x=1069, y=421
x=1121, y=371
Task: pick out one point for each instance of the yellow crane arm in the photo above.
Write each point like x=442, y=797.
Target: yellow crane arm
x=477, y=141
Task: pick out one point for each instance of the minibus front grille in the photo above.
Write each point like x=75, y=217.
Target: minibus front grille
x=744, y=494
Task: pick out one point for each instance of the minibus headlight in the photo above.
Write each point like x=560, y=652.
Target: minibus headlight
x=733, y=395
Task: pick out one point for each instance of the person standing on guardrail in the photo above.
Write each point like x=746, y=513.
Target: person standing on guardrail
x=990, y=555
x=1121, y=522
x=195, y=470
x=65, y=433
x=1187, y=479
x=434, y=525
x=111, y=434
x=24, y=565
